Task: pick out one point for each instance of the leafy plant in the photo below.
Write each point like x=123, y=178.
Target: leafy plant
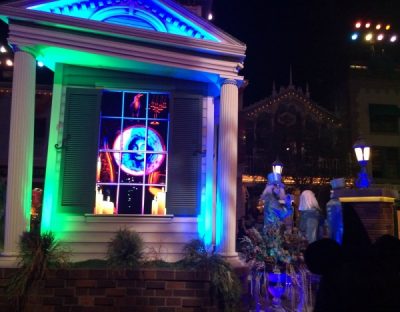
x=275, y=246
x=225, y=285
x=37, y=253
x=125, y=249
x=279, y=250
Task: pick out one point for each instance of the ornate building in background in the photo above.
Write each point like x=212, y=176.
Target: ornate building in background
x=311, y=141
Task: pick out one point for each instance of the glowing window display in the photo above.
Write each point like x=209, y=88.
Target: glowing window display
x=131, y=165
x=134, y=139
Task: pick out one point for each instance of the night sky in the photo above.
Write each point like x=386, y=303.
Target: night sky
x=313, y=36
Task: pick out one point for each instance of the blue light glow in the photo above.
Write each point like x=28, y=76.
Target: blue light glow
x=146, y=14
x=205, y=227
x=354, y=36
x=219, y=222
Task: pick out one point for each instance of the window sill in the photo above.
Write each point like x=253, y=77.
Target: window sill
x=132, y=218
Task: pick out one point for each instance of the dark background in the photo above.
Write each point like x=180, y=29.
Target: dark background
x=311, y=36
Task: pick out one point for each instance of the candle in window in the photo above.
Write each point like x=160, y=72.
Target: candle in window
x=154, y=206
x=99, y=201
x=161, y=202
x=98, y=169
x=108, y=206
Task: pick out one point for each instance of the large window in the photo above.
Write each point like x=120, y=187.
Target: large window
x=384, y=118
x=133, y=153
x=385, y=162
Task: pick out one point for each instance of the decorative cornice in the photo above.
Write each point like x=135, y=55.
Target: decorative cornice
x=148, y=54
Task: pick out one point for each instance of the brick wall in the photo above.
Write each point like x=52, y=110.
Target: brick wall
x=101, y=290
x=377, y=218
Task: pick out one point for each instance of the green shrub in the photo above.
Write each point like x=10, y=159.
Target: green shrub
x=125, y=250
x=37, y=253
x=225, y=285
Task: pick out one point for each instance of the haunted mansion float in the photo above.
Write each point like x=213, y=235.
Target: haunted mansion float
x=143, y=129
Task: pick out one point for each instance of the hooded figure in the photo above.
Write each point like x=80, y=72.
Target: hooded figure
x=310, y=215
x=334, y=215
x=277, y=205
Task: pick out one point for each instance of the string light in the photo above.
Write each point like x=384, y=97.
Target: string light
x=373, y=32
x=368, y=37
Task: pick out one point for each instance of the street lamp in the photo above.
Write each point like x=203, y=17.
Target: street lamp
x=277, y=167
x=362, y=151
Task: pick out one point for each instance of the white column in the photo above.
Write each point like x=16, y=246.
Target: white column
x=227, y=168
x=20, y=154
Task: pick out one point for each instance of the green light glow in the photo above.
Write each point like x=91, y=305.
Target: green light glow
x=50, y=56
x=52, y=178
x=147, y=14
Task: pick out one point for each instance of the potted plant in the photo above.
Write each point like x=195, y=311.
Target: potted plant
x=275, y=257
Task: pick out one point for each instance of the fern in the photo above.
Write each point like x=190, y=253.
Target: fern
x=125, y=250
x=37, y=253
x=225, y=285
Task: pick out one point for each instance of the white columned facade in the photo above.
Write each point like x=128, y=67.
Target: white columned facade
x=227, y=168
x=20, y=154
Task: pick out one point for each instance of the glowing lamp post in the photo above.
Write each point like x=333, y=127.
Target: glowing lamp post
x=277, y=167
x=362, y=151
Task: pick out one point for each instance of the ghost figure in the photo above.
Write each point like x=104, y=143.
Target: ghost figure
x=135, y=105
x=277, y=205
x=334, y=214
x=310, y=215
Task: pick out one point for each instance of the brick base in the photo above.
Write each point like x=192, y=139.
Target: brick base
x=101, y=290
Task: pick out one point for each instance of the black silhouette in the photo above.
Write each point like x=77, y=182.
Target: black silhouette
x=358, y=275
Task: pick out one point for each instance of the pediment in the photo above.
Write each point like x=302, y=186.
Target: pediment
x=159, y=37
x=163, y=16
x=291, y=99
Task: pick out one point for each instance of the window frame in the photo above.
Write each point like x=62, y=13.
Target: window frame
x=146, y=121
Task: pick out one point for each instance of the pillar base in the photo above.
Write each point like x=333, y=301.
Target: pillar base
x=8, y=260
x=234, y=260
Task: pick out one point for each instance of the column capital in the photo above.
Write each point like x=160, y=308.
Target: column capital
x=229, y=81
x=26, y=49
